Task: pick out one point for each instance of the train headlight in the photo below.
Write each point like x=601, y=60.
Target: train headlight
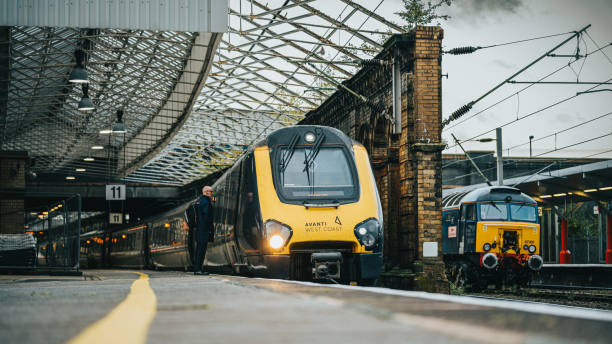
x=486, y=247
x=277, y=234
x=310, y=137
x=369, y=233
x=276, y=241
x=532, y=249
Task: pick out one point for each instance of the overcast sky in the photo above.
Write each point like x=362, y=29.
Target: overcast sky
x=483, y=23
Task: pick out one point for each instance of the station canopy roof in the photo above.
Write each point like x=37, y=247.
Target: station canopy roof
x=192, y=101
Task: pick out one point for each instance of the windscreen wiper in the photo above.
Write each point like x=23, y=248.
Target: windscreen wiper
x=494, y=205
x=288, y=154
x=307, y=168
x=519, y=208
x=314, y=152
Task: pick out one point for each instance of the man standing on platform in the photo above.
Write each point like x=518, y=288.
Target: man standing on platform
x=205, y=228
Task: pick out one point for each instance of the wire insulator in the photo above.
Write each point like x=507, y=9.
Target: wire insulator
x=373, y=62
x=458, y=113
x=462, y=50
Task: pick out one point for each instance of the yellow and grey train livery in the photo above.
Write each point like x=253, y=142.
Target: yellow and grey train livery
x=491, y=235
x=301, y=204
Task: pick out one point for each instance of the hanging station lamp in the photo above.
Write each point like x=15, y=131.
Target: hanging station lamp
x=86, y=104
x=78, y=74
x=119, y=127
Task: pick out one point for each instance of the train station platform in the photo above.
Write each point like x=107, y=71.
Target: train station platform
x=580, y=275
x=114, y=306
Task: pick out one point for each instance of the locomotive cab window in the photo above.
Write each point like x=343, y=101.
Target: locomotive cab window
x=523, y=212
x=493, y=211
x=328, y=174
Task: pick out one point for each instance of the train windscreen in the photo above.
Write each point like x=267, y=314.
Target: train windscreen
x=492, y=211
x=523, y=212
x=326, y=174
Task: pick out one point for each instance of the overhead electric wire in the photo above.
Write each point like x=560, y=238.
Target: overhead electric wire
x=467, y=107
x=461, y=160
x=606, y=151
x=519, y=91
x=563, y=130
x=576, y=144
x=539, y=139
x=469, y=50
x=507, y=162
x=527, y=40
x=533, y=113
x=597, y=45
x=528, y=173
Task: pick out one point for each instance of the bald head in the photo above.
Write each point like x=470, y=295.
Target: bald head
x=207, y=191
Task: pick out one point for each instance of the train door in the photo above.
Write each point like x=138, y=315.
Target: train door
x=248, y=223
x=190, y=220
x=469, y=235
x=450, y=239
x=232, y=187
x=467, y=227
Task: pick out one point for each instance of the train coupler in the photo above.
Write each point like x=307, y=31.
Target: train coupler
x=326, y=265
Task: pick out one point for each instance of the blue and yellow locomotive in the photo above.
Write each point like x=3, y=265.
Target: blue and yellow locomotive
x=491, y=235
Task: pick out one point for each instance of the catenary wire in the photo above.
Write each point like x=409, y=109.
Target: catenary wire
x=561, y=131
x=526, y=40
x=597, y=45
x=575, y=144
x=516, y=93
x=534, y=112
x=539, y=139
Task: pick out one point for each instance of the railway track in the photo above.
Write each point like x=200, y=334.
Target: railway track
x=596, y=298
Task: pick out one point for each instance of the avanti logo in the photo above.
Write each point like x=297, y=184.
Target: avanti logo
x=337, y=220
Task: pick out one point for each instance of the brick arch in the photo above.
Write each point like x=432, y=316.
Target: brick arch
x=381, y=132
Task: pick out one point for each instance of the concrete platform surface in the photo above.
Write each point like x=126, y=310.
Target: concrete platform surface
x=110, y=306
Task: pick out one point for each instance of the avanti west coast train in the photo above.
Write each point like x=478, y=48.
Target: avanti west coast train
x=301, y=204
x=491, y=235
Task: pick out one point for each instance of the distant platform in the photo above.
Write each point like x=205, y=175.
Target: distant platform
x=608, y=266
x=582, y=275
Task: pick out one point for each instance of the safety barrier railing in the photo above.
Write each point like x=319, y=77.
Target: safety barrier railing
x=50, y=240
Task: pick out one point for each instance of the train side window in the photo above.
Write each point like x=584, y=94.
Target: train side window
x=469, y=212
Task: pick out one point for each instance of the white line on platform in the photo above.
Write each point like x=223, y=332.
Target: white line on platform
x=538, y=308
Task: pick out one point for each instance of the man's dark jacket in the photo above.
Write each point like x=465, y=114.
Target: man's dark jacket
x=205, y=219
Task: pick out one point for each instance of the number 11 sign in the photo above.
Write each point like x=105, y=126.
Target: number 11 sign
x=115, y=192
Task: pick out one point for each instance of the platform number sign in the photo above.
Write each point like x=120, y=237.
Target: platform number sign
x=115, y=218
x=115, y=192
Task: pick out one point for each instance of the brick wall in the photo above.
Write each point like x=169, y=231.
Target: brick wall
x=407, y=166
x=12, y=187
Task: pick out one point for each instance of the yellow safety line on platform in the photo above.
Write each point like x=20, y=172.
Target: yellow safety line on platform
x=129, y=322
